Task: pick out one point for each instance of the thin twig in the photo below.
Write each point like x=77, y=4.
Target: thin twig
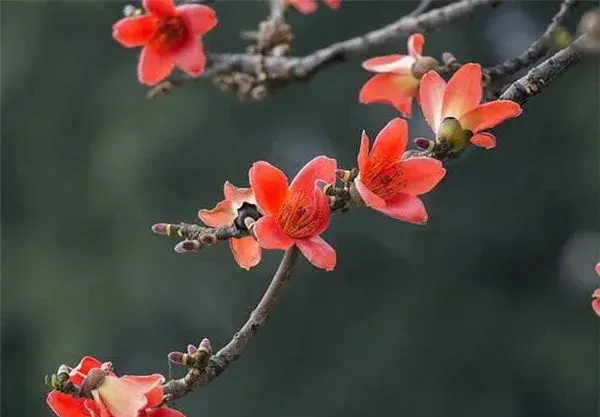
x=423, y=6
x=538, y=49
x=177, y=388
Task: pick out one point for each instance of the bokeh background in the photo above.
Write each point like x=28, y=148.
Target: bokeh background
x=484, y=312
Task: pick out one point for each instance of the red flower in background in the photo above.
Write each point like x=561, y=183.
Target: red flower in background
x=394, y=83
x=112, y=396
x=390, y=184
x=460, y=100
x=309, y=6
x=169, y=37
x=246, y=250
x=295, y=214
x=596, y=294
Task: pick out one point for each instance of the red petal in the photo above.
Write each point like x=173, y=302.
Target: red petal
x=463, y=92
x=371, y=199
x=304, y=6
x=318, y=252
x=484, y=140
x=223, y=214
x=489, y=115
x=270, y=187
x=322, y=211
x=269, y=234
x=190, y=58
x=134, y=31
x=415, y=45
x=431, y=97
x=398, y=64
x=238, y=196
x=391, y=142
x=64, y=405
x=597, y=268
x=126, y=396
x=246, y=251
x=333, y=4
x=394, y=89
x=161, y=412
x=198, y=18
x=86, y=364
x=153, y=66
x=155, y=396
x=319, y=168
x=596, y=306
x=363, y=153
x=406, y=208
x=160, y=8
x=421, y=175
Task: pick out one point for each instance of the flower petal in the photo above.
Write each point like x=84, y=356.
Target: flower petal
x=304, y=6
x=160, y=8
x=391, y=142
x=489, y=115
x=126, y=396
x=597, y=268
x=371, y=199
x=398, y=64
x=65, y=405
x=406, y=208
x=161, y=412
x=484, y=140
x=191, y=58
x=134, y=31
x=415, y=45
x=223, y=214
x=321, y=211
x=318, y=252
x=270, y=187
x=463, y=92
x=431, y=98
x=394, y=89
x=333, y=4
x=421, y=175
x=238, y=196
x=319, y=168
x=595, y=306
x=198, y=18
x=153, y=66
x=86, y=364
x=155, y=396
x=246, y=251
x=269, y=234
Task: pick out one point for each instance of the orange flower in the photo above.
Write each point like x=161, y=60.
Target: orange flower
x=390, y=184
x=596, y=294
x=295, y=214
x=309, y=6
x=169, y=36
x=454, y=111
x=394, y=83
x=245, y=250
x=112, y=396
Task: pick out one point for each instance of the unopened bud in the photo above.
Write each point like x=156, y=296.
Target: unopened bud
x=187, y=246
x=162, y=229
x=423, y=66
x=205, y=346
x=449, y=129
x=191, y=349
x=177, y=358
x=424, y=144
x=208, y=239
x=94, y=378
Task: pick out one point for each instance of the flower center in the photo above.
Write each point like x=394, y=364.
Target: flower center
x=171, y=33
x=385, y=181
x=298, y=217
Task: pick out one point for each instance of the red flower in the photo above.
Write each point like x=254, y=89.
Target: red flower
x=126, y=396
x=459, y=100
x=390, y=184
x=246, y=250
x=169, y=37
x=295, y=214
x=309, y=6
x=596, y=294
x=394, y=83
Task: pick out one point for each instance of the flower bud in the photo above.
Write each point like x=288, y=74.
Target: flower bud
x=208, y=239
x=161, y=229
x=424, y=144
x=205, y=346
x=187, y=246
x=94, y=378
x=423, y=66
x=177, y=358
x=191, y=349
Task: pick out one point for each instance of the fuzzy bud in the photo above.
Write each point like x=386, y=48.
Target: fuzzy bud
x=177, y=358
x=187, y=246
x=423, y=66
x=95, y=377
x=191, y=349
x=208, y=239
x=424, y=144
x=205, y=346
x=162, y=229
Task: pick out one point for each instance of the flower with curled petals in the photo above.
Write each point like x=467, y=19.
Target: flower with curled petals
x=596, y=294
x=246, y=250
x=390, y=184
x=309, y=6
x=169, y=37
x=454, y=111
x=295, y=214
x=111, y=396
x=395, y=81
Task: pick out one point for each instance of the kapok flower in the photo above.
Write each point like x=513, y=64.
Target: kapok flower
x=296, y=214
x=390, y=184
x=596, y=294
x=454, y=111
x=169, y=37
x=309, y=6
x=246, y=250
x=397, y=79
x=112, y=396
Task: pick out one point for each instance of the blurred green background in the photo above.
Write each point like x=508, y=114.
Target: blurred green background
x=484, y=312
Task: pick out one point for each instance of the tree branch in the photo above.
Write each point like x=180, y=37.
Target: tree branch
x=177, y=388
